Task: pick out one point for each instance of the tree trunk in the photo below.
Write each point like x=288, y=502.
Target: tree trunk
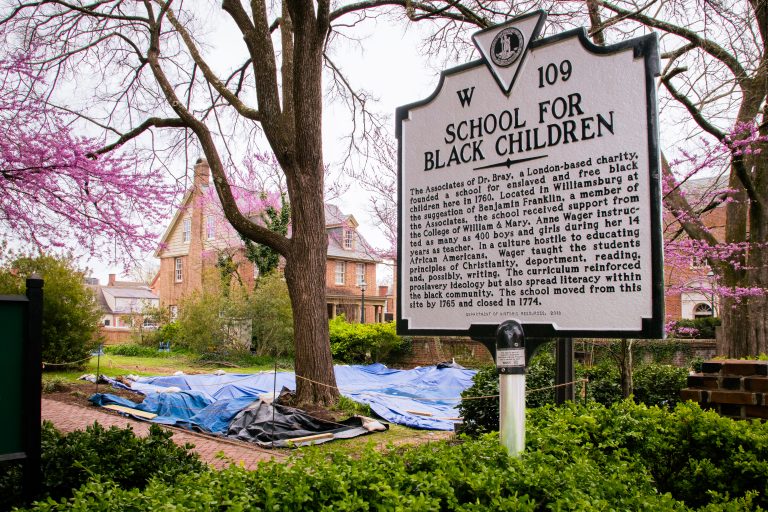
x=745, y=321
x=305, y=275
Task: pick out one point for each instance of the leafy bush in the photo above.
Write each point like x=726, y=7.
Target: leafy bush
x=132, y=350
x=213, y=321
x=659, y=384
x=476, y=475
x=114, y=454
x=166, y=332
x=272, y=317
x=627, y=457
x=71, y=315
x=540, y=374
x=698, y=456
x=604, y=386
x=480, y=414
x=360, y=343
x=54, y=385
x=698, y=328
x=655, y=384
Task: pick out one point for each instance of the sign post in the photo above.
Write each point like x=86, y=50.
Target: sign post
x=510, y=360
x=529, y=191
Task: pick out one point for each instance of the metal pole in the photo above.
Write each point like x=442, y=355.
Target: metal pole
x=98, y=366
x=362, y=308
x=512, y=413
x=564, y=373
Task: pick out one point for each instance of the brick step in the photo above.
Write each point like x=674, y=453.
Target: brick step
x=736, y=367
x=737, y=383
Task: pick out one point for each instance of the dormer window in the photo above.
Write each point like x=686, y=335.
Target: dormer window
x=186, y=233
x=349, y=239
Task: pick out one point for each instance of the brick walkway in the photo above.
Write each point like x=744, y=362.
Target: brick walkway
x=69, y=417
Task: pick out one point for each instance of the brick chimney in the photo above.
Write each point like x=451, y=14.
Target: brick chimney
x=194, y=273
x=202, y=172
x=111, y=281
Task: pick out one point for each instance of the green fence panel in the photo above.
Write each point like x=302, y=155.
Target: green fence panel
x=12, y=334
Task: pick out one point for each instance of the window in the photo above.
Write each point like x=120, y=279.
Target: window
x=703, y=311
x=174, y=311
x=179, y=267
x=341, y=270
x=106, y=323
x=210, y=227
x=255, y=271
x=698, y=262
x=186, y=233
x=360, y=274
x=349, y=237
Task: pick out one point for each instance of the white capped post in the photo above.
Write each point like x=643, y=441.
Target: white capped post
x=510, y=360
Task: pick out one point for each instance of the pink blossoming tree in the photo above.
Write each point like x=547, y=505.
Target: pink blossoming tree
x=58, y=190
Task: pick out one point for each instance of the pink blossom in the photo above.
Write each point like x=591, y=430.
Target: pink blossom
x=56, y=192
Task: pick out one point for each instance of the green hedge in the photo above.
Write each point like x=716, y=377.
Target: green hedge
x=114, y=454
x=627, y=457
x=655, y=384
x=364, y=343
x=697, y=456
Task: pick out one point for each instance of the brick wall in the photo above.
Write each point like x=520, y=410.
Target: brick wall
x=429, y=350
x=116, y=336
x=734, y=388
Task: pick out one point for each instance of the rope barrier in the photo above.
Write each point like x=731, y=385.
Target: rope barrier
x=44, y=363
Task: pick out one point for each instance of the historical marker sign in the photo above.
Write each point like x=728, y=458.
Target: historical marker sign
x=529, y=190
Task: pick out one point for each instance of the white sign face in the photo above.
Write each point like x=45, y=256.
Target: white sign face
x=541, y=205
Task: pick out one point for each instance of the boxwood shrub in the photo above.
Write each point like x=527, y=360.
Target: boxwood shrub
x=365, y=343
x=69, y=460
x=626, y=457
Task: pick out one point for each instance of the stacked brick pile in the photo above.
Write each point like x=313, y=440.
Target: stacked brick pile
x=732, y=387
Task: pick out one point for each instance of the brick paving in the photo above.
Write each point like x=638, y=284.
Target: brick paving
x=68, y=417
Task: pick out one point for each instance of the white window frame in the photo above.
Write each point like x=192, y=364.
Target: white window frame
x=349, y=239
x=186, y=230
x=360, y=273
x=173, y=312
x=178, y=270
x=341, y=271
x=210, y=227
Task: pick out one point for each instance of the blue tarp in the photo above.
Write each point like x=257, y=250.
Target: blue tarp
x=186, y=409
x=423, y=398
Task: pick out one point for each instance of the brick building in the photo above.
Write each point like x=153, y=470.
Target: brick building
x=198, y=236
x=123, y=304
x=689, y=282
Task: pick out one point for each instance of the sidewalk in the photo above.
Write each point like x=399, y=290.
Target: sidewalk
x=68, y=417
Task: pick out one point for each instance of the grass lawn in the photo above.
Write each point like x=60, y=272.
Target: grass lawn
x=113, y=365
